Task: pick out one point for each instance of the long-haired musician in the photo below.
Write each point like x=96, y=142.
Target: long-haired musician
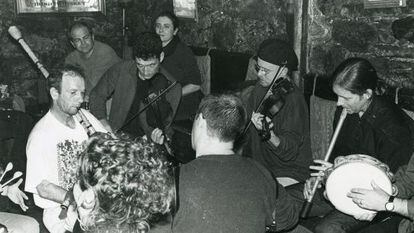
x=374, y=126
x=53, y=148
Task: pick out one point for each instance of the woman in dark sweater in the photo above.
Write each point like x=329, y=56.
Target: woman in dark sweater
x=180, y=62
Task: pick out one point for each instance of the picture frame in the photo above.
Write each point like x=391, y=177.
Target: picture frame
x=185, y=9
x=27, y=7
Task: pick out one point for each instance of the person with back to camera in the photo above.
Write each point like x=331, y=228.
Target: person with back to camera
x=221, y=191
x=179, y=60
x=373, y=126
x=124, y=186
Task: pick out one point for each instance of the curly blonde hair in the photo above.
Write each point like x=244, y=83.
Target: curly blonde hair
x=132, y=182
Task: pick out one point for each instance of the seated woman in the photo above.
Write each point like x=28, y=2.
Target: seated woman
x=181, y=63
x=124, y=186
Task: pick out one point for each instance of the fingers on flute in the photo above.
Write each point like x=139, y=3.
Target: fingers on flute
x=318, y=174
x=318, y=168
x=323, y=163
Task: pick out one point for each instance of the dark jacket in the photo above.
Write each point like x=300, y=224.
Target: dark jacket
x=180, y=62
x=382, y=132
x=291, y=124
x=120, y=83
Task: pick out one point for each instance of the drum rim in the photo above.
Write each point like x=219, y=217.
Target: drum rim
x=329, y=191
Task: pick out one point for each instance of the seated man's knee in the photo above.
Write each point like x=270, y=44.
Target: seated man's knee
x=30, y=225
x=23, y=224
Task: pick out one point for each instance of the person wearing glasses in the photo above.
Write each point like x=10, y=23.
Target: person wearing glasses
x=283, y=117
x=145, y=96
x=93, y=56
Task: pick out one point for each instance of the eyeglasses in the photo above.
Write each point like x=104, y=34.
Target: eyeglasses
x=150, y=66
x=260, y=68
x=83, y=39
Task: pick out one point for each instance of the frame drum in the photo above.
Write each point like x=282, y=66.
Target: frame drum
x=355, y=171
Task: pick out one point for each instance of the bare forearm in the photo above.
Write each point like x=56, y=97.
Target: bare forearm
x=51, y=191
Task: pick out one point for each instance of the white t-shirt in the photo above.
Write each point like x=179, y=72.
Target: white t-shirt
x=52, y=154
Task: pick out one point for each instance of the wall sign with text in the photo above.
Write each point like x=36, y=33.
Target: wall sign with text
x=185, y=9
x=60, y=6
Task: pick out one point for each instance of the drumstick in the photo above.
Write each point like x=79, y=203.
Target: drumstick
x=8, y=168
x=308, y=204
x=15, y=176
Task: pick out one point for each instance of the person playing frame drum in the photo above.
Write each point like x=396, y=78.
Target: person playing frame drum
x=374, y=126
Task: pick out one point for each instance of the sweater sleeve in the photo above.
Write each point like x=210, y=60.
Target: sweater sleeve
x=290, y=128
x=103, y=91
x=404, y=180
x=183, y=66
x=191, y=71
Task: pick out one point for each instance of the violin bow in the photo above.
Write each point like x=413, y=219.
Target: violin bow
x=147, y=105
x=279, y=70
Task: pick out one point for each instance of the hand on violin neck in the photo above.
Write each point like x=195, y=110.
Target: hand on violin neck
x=257, y=120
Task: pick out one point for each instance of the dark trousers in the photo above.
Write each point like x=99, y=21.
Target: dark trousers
x=330, y=220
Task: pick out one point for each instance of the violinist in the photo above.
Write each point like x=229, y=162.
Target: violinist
x=138, y=85
x=280, y=137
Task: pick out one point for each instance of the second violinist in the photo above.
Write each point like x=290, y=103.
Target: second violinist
x=134, y=85
x=280, y=137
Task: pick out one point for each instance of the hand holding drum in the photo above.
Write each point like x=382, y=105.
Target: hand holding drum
x=364, y=177
x=357, y=185
x=371, y=199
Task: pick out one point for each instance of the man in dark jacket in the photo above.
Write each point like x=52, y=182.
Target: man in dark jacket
x=133, y=85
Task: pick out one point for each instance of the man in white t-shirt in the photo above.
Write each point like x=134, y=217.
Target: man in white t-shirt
x=53, y=148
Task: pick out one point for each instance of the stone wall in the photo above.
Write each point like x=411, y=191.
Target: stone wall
x=339, y=29
x=231, y=25
x=46, y=36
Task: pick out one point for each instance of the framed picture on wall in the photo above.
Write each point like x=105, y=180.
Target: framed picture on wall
x=59, y=6
x=185, y=9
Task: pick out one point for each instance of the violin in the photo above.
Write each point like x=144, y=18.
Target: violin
x=159, y=112
x=271, y=104
x=274, y=103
